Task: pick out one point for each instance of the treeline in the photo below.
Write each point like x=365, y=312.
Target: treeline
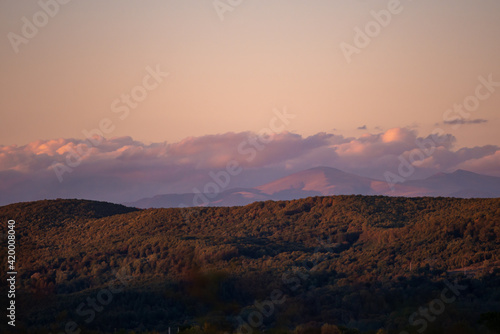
x=340, y=264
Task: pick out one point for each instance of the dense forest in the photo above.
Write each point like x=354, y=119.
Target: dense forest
x=320, y=265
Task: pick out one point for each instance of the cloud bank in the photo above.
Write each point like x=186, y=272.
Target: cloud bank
x=122, y=169
x=462, y=121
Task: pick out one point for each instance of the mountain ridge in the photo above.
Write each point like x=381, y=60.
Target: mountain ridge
x=327, y=181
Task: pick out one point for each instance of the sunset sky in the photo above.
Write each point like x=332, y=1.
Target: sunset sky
x=230, y=67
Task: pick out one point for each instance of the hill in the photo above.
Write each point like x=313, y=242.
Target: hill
x=325, y=181
x=460, y=183
x=358, y=263
x=319, y=180
x=61, y=209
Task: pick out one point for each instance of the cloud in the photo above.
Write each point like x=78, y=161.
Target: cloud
x=466, y=121
x=488, y=164
x=122, y=169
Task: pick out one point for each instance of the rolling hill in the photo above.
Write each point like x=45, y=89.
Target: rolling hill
x=357, y=263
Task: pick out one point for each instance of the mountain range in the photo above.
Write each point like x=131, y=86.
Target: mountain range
x=326, y=181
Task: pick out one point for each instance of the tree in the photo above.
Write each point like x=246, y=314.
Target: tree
x=330, y=329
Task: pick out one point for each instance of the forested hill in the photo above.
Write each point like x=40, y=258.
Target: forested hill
x=359, y=262
x=44, y=212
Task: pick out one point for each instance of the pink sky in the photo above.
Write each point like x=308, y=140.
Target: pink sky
x=103, y=65
x=228, y=75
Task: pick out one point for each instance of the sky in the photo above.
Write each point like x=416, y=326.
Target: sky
x=168, y=74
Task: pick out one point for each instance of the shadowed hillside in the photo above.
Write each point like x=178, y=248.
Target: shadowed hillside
x=358, y=263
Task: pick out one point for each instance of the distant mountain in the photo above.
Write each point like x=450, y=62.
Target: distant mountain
x=326, y=181
x=318, y=181
x=231, y=197
x=164, y=201
x=460, y=183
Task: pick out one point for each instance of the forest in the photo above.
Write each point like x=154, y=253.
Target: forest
x=319, y=265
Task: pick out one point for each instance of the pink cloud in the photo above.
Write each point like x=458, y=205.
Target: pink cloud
x=489, y=164
x=121, y=169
